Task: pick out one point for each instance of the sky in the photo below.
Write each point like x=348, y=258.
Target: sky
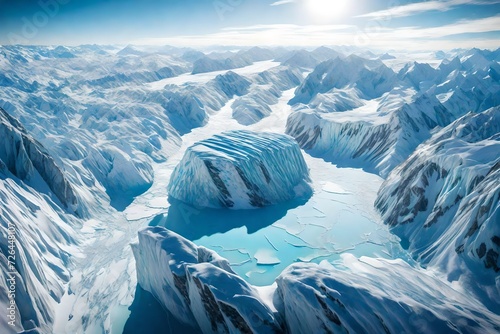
x=389, y=24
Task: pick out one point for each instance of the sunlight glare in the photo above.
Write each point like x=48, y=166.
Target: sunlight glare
x=327, y=9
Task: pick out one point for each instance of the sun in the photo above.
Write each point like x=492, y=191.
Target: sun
x=325, y=10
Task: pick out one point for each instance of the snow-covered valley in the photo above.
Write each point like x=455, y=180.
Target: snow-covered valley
x=100, y=143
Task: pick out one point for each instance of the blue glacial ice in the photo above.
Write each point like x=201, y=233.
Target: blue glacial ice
x=241, y=170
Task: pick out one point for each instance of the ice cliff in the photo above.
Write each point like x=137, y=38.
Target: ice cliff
x=366, y=296
x=197, y=286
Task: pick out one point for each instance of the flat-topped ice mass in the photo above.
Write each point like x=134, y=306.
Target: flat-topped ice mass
x=241, y=170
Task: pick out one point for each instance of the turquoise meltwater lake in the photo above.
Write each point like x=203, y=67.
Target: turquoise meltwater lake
x=339, y=218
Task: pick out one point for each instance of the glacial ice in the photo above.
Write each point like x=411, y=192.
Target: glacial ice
x=96, y=113
x=241, y=170
x=368, y=295
x=359, y=295
x=253, y=107
x=197, y=286
x=405, y=109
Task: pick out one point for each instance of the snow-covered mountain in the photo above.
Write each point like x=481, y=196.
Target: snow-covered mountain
x=211, y=62
x=371, y=78
x=37, y=237
x=356, y=112
x=307, y=60
x=444, y=201
x=94, y=140
x=29, y=161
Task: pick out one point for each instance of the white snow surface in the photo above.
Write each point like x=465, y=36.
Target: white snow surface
x=356, y=112
x=375, y=296
x=183, y=79
x=444, y=202
x=197, y=286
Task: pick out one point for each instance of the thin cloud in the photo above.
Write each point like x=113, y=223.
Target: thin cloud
x=426, y=6
x=282, y=2
x=410, y=38
x=308, y=28
x=485, y=25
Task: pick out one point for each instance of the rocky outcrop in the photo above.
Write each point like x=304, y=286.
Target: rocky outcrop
x=444, y=201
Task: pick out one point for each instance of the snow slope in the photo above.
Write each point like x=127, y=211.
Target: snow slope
x=241, y=170
x=370, y=295
x=444, y=202
x=44, y=241
x=28, y=160
x=403, y=110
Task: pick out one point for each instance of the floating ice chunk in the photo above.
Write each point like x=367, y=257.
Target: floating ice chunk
x=266, y=257
x=334, y=188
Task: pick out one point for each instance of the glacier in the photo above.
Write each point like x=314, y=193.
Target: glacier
x=375, y=118
x=93, y=137
x=241, y=170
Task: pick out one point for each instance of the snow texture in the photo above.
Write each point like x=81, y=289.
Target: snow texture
x=37, y=241
x=375, y=296
x=357, y=112
x=444, y=201
x=28, y=160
